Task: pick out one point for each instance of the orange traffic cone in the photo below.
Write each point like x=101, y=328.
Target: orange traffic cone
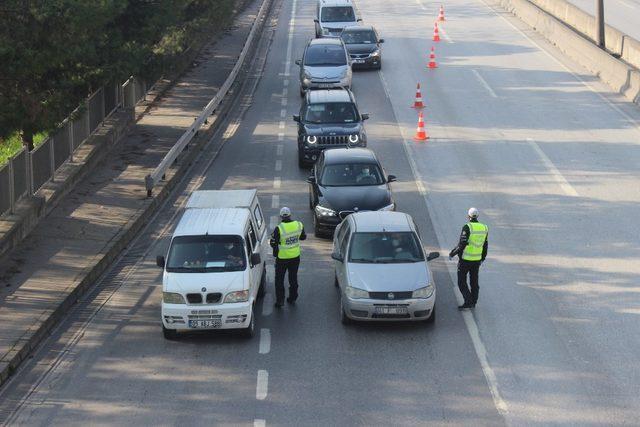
x=421, y=133
x=441, y=14
x=436, y=33
x=432, y=58
x=418, y=102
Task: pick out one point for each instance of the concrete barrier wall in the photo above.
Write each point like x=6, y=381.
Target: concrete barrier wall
x=619, y=75
x=615, y=40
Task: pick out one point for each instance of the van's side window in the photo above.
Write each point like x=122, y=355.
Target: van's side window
x=257, y=214
x=252, y=235
x=247, y=241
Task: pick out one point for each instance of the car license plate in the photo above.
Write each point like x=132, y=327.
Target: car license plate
x=358, y=61
x=204, y=324
x=325, y=85
x=391, y=310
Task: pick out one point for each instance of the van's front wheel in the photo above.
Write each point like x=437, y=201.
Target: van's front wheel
x=262, y=289
x=169, y=334
x=250, y=330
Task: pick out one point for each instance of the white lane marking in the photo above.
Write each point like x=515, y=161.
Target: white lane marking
x=275, y=201
x=292, y=24
x=259, y=423
x=231, y=130
x=278, y=165
x=267, y=305
x=484, y=83
x=283, y=102
x=265, y=341
x=262, y=386
x=557, y=176
x=285, y=82
x=469, y=320
x=281, y=125
x=635, y=122
x=283, y=113
x=279, y=147
x=280, y=137
x=277, y=182
x=419, y=3
x=273, y=222
x=285, y=91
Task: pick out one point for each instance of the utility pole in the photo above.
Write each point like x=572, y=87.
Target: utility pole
x=600, y=23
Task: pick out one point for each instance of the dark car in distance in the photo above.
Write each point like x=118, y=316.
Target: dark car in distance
x=328, y=118
x=344, y=181
x=363, y=46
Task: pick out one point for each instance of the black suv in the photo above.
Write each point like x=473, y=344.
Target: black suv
x=328, y=119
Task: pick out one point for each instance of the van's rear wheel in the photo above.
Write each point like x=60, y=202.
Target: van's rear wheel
x=262, y=289
x=169, y=334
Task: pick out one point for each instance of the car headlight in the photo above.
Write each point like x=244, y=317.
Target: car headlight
x=354, y=138
x=312, y=139
x=322, y=211
x=237, y=296
x=355, y=293
x=375, y=53
x=172, y=298
x=306, y=81
x=325, y=31
x=425, y=292
x=390, y=207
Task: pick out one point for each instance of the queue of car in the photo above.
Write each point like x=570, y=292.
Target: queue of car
x=215, y=269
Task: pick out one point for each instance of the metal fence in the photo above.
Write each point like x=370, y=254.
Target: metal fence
x=25, y=173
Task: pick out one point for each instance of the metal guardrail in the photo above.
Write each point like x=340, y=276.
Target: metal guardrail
x=157, y=175
x=26, y=172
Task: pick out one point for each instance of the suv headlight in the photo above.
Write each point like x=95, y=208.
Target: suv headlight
x=355, y=293
x=311, y=139
x=390, y=207
x=322, y=211
x=237, y=296
x=354, y=138
x=172, y=298
x=425, y=292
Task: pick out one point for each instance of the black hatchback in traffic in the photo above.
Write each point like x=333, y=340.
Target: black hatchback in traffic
x=363, y=45
x=344, y=181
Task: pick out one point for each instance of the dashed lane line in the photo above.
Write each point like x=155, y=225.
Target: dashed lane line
x=277, y=182
x=262, y=385
x=557, y=176
x=265, y=341
x=484, y=83
x=280, y=138
x=275, y=201
x=279, y=147
x=292, y=23
x=278, y=165
x=259, y=423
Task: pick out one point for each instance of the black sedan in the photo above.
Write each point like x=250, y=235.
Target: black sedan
x=344, y=181
x=363, y=45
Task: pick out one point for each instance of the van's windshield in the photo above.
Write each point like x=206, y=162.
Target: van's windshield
x=337, y=14
x=202, y=254
x=385, y=248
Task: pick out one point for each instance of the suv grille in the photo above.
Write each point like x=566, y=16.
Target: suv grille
x=333, y=140
x=194, y=298
x=385, y=295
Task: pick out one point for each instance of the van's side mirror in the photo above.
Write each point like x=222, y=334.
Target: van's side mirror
x=296, y=118
x=359, y=19
x=381, y=41
x=433, y=255
x=365, y=116
x=336, y=257
x=391, y=178
x=255, y=259
x=298, y=61
x=316, y=21
x=160, y=261
x=311, y=179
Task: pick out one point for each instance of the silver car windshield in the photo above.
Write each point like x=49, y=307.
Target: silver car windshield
x=351, y=175
x=330, y=112
x=385, y=248
x=338, y=14
x=201, y=254
x=325, y=56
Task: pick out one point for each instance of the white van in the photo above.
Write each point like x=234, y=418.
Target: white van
x=215, y=266
x=332, y=16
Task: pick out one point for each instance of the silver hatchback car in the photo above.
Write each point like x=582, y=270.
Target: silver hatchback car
x=325, y=64
x=381, y=269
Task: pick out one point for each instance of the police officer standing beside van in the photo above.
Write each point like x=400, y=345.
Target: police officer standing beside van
x=285, y=241
x=472, y=251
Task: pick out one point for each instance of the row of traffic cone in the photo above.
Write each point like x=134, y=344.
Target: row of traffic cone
x=421, y=132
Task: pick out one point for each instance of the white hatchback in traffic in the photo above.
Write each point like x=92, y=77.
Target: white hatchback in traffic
x=381, y=269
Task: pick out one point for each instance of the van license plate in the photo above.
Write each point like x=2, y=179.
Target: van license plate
x=391, y=310
x=204, y=324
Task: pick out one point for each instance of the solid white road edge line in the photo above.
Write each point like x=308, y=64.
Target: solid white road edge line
x=469, y=320
x=557, y=176
x=265, y=341
x=292, y=24
x=484, y=83
x=262, y=386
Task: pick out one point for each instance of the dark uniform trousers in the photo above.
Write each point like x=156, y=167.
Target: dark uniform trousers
x=470, y=268
x=283, y=266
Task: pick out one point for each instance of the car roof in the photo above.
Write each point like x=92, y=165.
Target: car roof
x=357, y=28
x=319, y=96
x=200, y=222
x=354, y=155
x=325, y=41
x=377, y=221
x=221, y=199
x=325, y=3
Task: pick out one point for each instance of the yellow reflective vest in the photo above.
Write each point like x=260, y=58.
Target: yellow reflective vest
x=477, y=236
x=289, y=245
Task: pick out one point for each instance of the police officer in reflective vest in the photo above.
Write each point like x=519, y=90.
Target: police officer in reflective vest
x=285, y=241
x=472, y=251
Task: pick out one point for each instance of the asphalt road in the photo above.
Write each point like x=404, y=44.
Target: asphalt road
x=549, y=157
x=621, y=14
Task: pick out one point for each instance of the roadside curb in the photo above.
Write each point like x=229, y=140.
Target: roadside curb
x=49, y=319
